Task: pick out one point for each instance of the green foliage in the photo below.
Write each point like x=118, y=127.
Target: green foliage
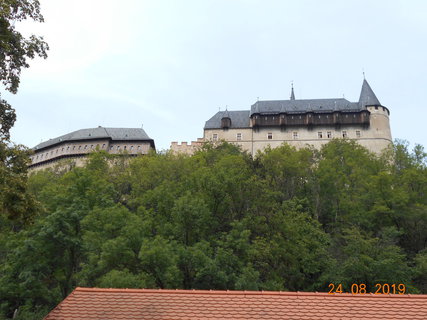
x=287, y=220
x=15, y=202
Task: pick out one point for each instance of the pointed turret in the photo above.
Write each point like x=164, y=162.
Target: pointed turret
x=292, y=93
x=367, y=96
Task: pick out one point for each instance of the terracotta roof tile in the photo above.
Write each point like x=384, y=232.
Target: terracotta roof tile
x=148, y=304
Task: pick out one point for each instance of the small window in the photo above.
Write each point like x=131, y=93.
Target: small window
x=344, y=134
x=91, y=146
x=111, y=147
x=131, y=147
x=376, y=107
x=270, y=136
x=56, y=151
x=74, y=147
x=239, y=136
x=295, y=135
x=103, y=146
x=85, y=146
x=41, y=156
x=80, y=147
x=215, y=137
x=358, y=134
x=68, y=148
x=125, y=147
x=118, y=147
x=139, y=147
x=320, y=135
x=38, y=157
x=329, y=134
x=62, y=149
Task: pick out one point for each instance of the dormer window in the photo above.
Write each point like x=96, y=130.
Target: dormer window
x=225, y=123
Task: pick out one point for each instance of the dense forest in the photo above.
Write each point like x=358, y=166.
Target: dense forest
x=285, y=219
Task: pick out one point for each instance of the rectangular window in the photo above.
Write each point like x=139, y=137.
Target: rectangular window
x=320, y=135
x=215, y=137
x=329, y=134
x=358, y=134
x=103, y=145
x=344, y=134
x=239, y=136
x=270, y=136
x=295, y=135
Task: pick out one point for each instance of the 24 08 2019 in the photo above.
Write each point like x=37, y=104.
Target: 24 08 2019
x=361, y=288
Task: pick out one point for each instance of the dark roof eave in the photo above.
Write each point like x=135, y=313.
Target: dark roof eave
x=151, y=141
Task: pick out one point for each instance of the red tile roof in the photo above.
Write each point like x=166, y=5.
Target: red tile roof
x=147, y=304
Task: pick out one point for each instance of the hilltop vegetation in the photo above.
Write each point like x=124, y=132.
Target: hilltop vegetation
x=286, y=220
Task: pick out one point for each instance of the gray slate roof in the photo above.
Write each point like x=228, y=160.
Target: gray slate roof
x=120, y=134
x=302, y=106
x=367, y=96
x=239, y=119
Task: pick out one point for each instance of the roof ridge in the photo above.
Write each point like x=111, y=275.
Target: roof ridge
x=240, y=292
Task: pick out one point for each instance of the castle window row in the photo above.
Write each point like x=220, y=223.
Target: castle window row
x=295, y=136
x=73, y=148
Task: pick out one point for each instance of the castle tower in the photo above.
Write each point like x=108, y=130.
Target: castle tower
x=378, y=135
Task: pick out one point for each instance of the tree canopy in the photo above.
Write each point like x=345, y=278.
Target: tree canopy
x=287, y=219
x=15, y=51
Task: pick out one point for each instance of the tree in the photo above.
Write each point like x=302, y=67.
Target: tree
x=15, y=50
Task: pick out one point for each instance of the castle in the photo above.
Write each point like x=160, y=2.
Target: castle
x=78, y=144
x=300, y=122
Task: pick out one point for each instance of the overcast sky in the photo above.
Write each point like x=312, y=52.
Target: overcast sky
x=170, y=65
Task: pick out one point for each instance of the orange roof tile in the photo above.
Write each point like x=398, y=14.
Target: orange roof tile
x=148, y=304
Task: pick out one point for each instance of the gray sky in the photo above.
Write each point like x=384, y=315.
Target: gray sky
x=170, y=65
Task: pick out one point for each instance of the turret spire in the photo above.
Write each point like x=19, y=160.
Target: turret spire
x=367, y=96
x=292, y=91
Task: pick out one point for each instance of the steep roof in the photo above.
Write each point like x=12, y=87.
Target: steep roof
x=239, y=119
x=109, y=304
x=367, y=96
x=121, y=134
x=304, y=105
